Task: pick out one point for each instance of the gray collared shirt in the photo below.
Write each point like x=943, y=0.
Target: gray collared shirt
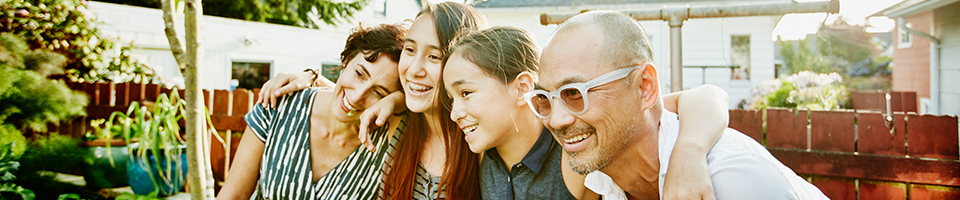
x=537, y=176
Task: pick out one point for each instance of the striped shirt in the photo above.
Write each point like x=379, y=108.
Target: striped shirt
x=285, y=169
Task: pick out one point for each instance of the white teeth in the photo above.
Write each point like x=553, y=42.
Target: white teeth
x=469, y=129
x=418, y=87
x=576, y=138
x=349, y=107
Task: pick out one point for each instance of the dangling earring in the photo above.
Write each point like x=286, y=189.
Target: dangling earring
x=514, y=123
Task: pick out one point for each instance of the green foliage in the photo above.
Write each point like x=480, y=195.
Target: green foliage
x=287, y=12
x=132, y=196
x=54, y=152
x=10, y=135
x=27, y=98
x=66, y=27
x=804, y=90
x=9, y=165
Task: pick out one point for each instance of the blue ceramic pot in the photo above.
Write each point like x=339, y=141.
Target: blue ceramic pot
x=100, y=172
x=142, y=184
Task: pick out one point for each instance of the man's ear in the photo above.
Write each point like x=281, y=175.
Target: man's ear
x=525, y=82
x=648, y=83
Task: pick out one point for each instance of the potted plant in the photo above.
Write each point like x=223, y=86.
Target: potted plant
x=107, y=168
x=156, y=152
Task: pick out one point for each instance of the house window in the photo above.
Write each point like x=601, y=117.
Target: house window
x=331, y=71
x=380, y=8
x=250, y=75
x=905, y=38
x=740, y=57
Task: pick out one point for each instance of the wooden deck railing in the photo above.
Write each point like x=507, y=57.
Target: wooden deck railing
x=864, y=154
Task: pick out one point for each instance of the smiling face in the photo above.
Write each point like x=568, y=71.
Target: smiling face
x=594, y=138
x=362, y=84
x=420, y=65
x=480, y=104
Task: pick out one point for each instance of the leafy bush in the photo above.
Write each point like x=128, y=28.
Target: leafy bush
x=804, y=90
x=66, y=27
x=27, y=98
x=9, y=165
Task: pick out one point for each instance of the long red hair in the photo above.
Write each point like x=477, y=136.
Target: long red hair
x=460, y=179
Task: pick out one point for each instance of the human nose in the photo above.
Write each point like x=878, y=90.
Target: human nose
x=363, y=96
x=559, y=118
x=416, y=68
x=456, y=112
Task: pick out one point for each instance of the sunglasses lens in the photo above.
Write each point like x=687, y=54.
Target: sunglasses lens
x=541, y=103
x=572, y=99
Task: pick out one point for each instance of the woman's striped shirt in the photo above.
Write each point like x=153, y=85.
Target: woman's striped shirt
x=285, y=169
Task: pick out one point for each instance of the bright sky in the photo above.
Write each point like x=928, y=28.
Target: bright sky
x=797, y=26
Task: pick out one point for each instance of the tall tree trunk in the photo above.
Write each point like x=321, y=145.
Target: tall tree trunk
x=199, y=177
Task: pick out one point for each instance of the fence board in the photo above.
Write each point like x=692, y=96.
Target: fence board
x=933, y=136
x=106, y=91
x=832, y=131
x=748, y=122
x=877, y=167
x=242, y=101
x=256, y=94
x=92, y=93
x=785, y=129
x=221, y=102
x=137, y=92
x=208, y=100
x=876, y=137
x=918, y=191
x=881, y=190
x=836, y=188
x=122, y=97
x=151, y=92
x=909, y=100
x=223, y=122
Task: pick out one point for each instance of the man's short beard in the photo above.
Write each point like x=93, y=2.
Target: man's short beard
x=603, y=155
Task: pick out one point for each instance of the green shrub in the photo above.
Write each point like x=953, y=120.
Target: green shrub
x=27, y=98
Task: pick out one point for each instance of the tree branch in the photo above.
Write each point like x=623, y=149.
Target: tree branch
x=169, y=8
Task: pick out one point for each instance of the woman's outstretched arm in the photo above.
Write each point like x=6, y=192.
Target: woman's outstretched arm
x=245, y=170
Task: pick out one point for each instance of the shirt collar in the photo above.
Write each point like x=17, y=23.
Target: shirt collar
x=538, y=154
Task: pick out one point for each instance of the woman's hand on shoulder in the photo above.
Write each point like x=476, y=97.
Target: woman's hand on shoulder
x=282, y=84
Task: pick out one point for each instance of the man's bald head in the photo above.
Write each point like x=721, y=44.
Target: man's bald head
x=625, y=42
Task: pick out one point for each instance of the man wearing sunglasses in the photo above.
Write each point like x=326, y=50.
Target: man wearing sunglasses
x=600, y=98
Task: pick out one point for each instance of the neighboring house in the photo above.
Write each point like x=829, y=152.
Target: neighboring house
x=914, y=56
x=714, y=43
x=235, y=48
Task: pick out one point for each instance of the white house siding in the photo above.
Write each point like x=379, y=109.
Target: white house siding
x=287, y=48
x=947, y=28
x=705, y=42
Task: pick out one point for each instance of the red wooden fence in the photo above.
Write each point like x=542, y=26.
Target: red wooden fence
x=862, y=155
x=877, y=101
x=227, y=110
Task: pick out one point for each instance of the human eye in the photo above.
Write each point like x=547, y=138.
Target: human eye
x=571, y=93
x=409, y=50
x=465, y=93
x=359, y=74
x=381, y=94
x=435, y=57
